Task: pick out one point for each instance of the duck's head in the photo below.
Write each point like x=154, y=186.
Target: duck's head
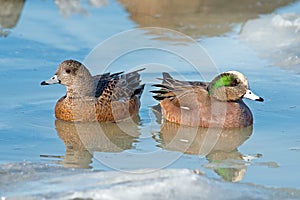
x=69, y=72
x=231, y=86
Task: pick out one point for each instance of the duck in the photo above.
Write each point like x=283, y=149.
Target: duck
x=104, y=98
x=218, y=103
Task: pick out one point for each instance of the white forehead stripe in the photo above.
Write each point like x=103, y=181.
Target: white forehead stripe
x=240, y=76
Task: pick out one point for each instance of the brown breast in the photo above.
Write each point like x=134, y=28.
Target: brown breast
x=89, y=110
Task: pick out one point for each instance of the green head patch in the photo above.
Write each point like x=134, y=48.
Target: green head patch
x=222, y=80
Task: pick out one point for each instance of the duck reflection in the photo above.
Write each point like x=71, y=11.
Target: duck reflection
x=83, y=139
x=69, y=7
x=10, y=11
x=218, y=145
x=198, y=17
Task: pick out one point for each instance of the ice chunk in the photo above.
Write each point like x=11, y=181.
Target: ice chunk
x=275, y=37
x=39, y=181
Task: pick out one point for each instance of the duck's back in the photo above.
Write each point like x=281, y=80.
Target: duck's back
x=118, y=86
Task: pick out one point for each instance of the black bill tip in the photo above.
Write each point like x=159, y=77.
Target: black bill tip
x=260, y=99
x=44, y=83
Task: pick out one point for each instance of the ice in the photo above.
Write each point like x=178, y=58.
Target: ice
x=275, y=37
x=40, y=181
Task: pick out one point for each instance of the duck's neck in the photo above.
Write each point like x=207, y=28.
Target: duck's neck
x=82, y=88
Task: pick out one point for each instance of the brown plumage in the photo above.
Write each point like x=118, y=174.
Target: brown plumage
x=106, y=97
x=215, y=104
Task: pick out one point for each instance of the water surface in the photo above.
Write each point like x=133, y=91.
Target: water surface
x=262, y=43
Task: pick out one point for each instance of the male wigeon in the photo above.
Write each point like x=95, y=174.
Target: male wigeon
x=207, y=104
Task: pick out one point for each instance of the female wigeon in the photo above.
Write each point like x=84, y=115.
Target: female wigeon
x=106, y=97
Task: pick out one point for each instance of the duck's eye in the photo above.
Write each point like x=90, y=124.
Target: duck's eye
x=235, y=82
x=68, y=71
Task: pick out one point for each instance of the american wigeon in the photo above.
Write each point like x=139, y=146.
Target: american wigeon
x=207, y=104
x=106, y=97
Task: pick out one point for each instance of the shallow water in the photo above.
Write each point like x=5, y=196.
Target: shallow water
x=262, y=43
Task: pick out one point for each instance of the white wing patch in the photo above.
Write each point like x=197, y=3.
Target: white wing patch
x=185, y=108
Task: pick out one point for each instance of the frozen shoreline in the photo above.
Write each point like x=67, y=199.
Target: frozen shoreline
x=40, y=181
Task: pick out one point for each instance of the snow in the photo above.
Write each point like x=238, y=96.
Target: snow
x=40, y=181
x=280, y=36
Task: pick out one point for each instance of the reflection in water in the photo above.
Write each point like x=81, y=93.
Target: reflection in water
x=198, y=17
x=69, y=7
x=280, y=35
x=10, y=11
x=218, y=145
x=83, y=139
